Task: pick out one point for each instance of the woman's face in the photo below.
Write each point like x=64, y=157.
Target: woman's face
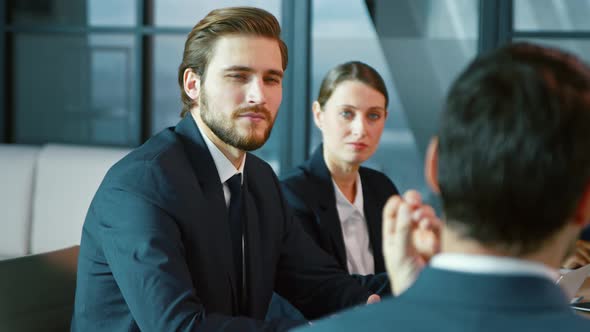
x=351, y=122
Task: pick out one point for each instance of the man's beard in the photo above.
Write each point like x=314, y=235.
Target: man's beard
x=225, y=128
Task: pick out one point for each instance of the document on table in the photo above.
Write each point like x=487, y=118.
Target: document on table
x=572, y=280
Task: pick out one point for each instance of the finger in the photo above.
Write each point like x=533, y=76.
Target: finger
x=431, y=224
x=568, y=264
x=427, y=241
x=572, y=263
x=413, y=197
x=398, y=227
x=403, y=227
x=374, y=298
x=424, y=224
x=583, y=244
x=403, y=220
x=389, y=214
x=584, y=255
x=424, y=211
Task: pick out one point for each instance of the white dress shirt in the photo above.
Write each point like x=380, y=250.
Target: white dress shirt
x=484, y=264
x=359, y=255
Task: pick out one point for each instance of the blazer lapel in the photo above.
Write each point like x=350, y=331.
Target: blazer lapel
x=373, y=216
x=252, y=253
x=213, y=215
x=327, y=213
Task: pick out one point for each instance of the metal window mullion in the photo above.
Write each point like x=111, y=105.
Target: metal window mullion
x=551, y=34
x=296, y=23
x=147, y=68
x=136, y=136
x=4, y=106
x=495, y=24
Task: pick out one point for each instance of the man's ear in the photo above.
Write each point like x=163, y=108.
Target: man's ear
x=317, y=114
x=582, y=212
x=431, y=165
x=192, y=84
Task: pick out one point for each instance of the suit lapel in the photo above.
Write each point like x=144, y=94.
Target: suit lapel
x=373, y=216
x=213, y=225
x=326, y=211
x=252, y=252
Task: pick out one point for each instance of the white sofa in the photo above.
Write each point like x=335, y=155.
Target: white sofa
x=45, y=192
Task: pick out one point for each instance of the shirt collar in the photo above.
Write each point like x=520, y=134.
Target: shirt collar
x=485, y=264
x=345, y=208
x=224, y=167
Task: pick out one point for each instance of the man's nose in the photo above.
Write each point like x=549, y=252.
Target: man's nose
x=255, y=94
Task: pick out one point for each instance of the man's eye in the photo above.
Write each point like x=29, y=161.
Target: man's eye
x=239, y=77
x=272, y=80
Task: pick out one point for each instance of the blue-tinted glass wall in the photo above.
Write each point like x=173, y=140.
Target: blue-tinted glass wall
x=104, y=72
x=73, y=74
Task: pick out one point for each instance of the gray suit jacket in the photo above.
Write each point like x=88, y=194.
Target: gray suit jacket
x=442, y=300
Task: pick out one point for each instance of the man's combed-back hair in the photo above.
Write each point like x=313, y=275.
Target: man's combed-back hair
x=201, y=41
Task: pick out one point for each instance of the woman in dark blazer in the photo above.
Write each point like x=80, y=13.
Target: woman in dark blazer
x=338, y=201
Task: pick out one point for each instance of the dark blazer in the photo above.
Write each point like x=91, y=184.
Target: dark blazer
x=442, y=300
x=156, y=249
x=310, y=192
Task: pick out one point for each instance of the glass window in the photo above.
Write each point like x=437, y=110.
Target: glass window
x=77, y=13
x=418, y=46
x=167, y=51
x=186, y=13
x=81, y=92
x=555, y=15
x=89, y=80
x=112, y=12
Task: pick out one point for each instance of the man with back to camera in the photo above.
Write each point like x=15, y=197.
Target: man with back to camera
x=189, y=232
x=511, y=164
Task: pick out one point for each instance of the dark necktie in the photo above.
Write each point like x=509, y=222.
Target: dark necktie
x=235, y=225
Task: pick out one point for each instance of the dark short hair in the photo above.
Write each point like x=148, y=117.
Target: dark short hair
x=514, y=146
x=201, y=41
x=351, y=71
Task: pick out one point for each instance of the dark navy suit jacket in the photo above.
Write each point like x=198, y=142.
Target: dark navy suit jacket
x=156, y=249
x=310, y=193
x=442, y=300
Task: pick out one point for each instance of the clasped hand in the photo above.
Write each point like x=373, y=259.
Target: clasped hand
x=411, y=236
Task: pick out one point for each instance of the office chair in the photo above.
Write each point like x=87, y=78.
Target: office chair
x=37, y=291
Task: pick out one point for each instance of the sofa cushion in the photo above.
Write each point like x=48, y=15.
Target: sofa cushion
x=17, y=167
x=67, y=178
